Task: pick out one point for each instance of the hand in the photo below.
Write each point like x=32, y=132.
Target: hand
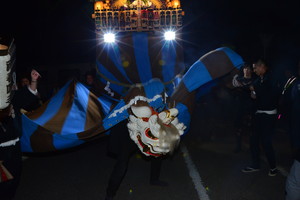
x=235, y=82
x=34, y=75
x=253, y=94
x=251, y=87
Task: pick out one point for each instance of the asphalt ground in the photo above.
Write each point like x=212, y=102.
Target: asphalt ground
x=203, y=167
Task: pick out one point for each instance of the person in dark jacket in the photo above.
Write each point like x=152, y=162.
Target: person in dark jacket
x=244, y=105
x=266, y=94
x=10, y=156
x=293, y=180
x=26, y=99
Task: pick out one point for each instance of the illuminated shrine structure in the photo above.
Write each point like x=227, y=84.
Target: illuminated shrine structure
x=137, y=15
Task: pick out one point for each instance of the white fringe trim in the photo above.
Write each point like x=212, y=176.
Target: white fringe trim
x=134, y=101
x=10, y=143
x=108, y=89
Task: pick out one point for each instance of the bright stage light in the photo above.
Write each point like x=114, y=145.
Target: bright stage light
x=109, y=37
x=170, y=35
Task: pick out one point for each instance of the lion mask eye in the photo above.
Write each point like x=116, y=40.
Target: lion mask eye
x=149, y=134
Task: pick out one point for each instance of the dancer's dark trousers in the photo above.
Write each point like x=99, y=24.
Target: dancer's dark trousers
x=123, y=147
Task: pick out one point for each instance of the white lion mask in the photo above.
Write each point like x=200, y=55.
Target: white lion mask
x=154, y=133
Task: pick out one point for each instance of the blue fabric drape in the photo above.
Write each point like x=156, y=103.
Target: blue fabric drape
x=140, y=41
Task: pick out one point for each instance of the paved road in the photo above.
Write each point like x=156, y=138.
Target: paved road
x=203, y=167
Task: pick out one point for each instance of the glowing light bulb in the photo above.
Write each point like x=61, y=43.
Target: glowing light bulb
x=109, y=38
x=170, y=35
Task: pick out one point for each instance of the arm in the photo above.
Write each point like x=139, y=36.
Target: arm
x=253, y=93
x=235, y=81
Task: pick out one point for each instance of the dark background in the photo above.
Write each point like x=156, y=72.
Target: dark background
x=267, y=29
x=62, y=31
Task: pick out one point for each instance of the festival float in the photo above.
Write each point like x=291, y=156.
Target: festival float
x=137, y=41
x=137, y=15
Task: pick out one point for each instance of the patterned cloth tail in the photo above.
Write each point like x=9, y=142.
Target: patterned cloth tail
x=213, y=65
x=70, y=118
x=75, y=115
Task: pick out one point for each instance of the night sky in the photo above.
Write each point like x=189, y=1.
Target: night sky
x=62, y=31
x=244, y=25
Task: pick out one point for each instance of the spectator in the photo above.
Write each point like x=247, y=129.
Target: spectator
x=24, y=81
x=285, y=100
x=293, y=179
x=10, y=155
x=244, y=105
x=10, y=151
x=93, y=84
x=89, y=80
x=266, y=95
x=26, y=99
